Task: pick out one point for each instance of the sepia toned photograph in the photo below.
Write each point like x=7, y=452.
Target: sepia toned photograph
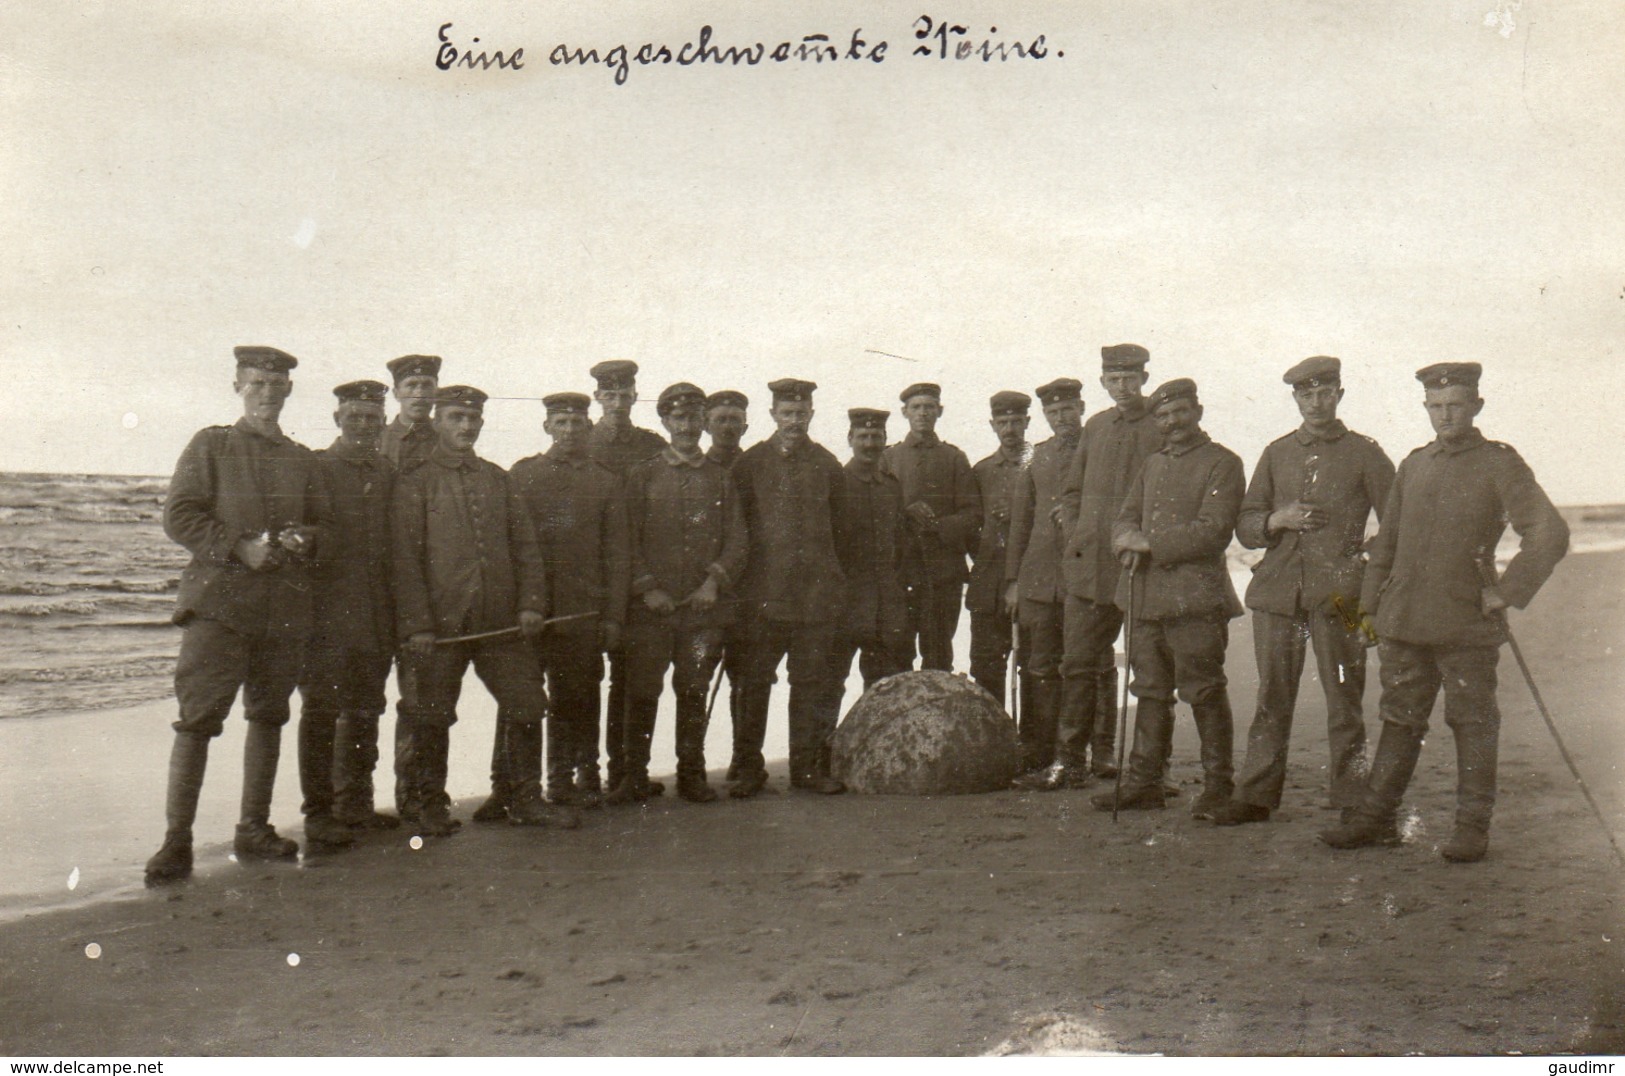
x=715, y=530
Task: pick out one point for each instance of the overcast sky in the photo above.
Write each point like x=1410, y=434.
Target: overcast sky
x=1235, y=186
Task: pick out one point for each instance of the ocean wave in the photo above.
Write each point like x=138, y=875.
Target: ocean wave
x=132, y=669
x=40, y=588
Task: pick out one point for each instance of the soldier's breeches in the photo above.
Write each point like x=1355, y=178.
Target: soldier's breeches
x=1089, y=631
x=990, y=652
x=1153, y=743
x=337, y=681
x=215, y=662
x=1181, y=653
x=574, y=669
x=434, y=682
x=657, y=643
x=933, y=617
x=1044, y=626
x=808, y=649
x=1279, y=644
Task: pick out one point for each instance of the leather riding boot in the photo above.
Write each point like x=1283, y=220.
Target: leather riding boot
x=1103, y=737
x=1373, y=819
x=1038, y=724
x=1477, y=755
x=316, y=738
x=355, y=755
x=748, y=734
x=255, y=838
x=1216, y=728
x=1153, y=743
x=523, y=766
x=562, y=752
x=188, y=758
x=495, y=807
x=691, y=726
x=1074, y=723
x=640, y=729
x=432, y=746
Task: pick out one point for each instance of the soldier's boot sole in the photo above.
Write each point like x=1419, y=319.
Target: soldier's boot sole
x=171, y=863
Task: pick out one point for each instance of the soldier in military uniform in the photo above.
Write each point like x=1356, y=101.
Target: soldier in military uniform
x=1307, y=507
x=579, y=512
x=996, y=480
x=942, y=510
x=348, y=658
x=793, y=491
x=1172, y=533
x=466, y=562
x=726, y=420
x=410, y=438
x=1032, y=569
x=1436, y=603
x=252, y=508
x=1115, y=444
x=616, y=444
x=873, y=618
x=688, y=548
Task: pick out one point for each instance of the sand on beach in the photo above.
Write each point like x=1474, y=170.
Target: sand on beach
x=862, y=925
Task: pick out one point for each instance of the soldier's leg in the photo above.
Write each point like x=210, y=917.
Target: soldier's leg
x=650, y=646
x=989, y=651
x=1086, y=628
x=1340, y=660
x=321, y=695
x=212, y=665
x=1043, y=623
x=1470, y=709
x=1410, y=683
x=273, y=673
x=356, y=740
x=615, y=715
x=430, y=686
x=696, y=654
x=914, y=621
x=768, y=645
x=1278, y=649
x=510, y=672
x=810, y=721
x=573, y=683
x=940, y=624
x=842, y=648
x=1198, y=644
x=1103, y=734
x=733, y=667
x=1152, y=681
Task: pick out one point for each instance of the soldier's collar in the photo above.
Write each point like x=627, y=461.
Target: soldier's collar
x=558, y=456
x=1201, y=440
x=464, y=461
x=1134, y=411
x=862, y=470
x=1335, y=433
x=673, y=457
x=922, y=440
x=342, y=450
x=723, y=455
x=785, y=448
x=407, y=426
x=1474, y=438
x=1012, y=459
x=276, y=437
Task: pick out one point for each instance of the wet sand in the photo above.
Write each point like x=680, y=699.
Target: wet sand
x=858, y=925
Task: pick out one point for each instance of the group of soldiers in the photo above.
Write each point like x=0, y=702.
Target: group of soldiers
x=398, y=546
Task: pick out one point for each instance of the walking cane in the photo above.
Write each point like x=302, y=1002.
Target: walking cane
x=716, y=686
x=1014, y=678
x=1128, y=674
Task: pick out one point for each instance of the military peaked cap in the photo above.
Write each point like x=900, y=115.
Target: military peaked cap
x=791, y=388
x=923, y=388
x=364, y=391
x=413, y=365
x=1315, y=371
x=614, y=373
x=1062, y=388
x=1006, y=402
x=460, y=396
x=567, y=403
x=261, y=357
x=1123, y=357
x=679, y=397
x=1167, y=392
x=867, y=418
x=1444, y=374
x=727, y=398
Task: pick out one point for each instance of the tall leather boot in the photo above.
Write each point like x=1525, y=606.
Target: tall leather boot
x=1372, y=821
x=1477, y=755
x=316, y=739
x=1215, y=725
x=495, y=807
x=523, y=767
x=1074, y=723
x=748, y=737
x=1103, y=738
x=355, y=755
x=640, y=730
x=434, y=747
x=1038, y=724
x=256, y=839
x=691, y=726
x=1153, y=742
x=188, y=758
x=562, y=751
x=809, y=735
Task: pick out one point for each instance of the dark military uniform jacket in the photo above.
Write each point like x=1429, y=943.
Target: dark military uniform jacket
x=933, y=471
x=408, y=444
x=1345, y=475
x=1446, y=512
x=355, y=607
x=725, y=456
x=1185, y=501
x=1115, y=444
x=794, y=500
x=685, y=523
x=580, y=517
x=870, y=546
x=1033, y=560
x=233, y=482
x=618, y=449
x=465, y=556
x=997, y=478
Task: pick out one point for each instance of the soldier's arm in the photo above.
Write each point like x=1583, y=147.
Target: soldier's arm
x=409, y=554
x=1072, y=486
x=530, y=562
x=961, y=528
x=637, y=516
x=321, y=516
x=189, y=517
x=1253, y=522
x=1131, y=512
x=1023, y=506
x=1209, y=532
x=1543, y=536
x=617, y=556
x=839, y=512
x=730, y=564
x=1380, y=560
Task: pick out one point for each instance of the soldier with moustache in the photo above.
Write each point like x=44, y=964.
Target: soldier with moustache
x=615, y=443
x=1034, y=591
x=1115, y=444
x=688, y=548
x=873, y=618
x=466, y=562
x=726, y=420
x=942, y=509
x=1172, y=533
x=350, y=651
x=253, y=509
x=997, y=477
x=579, y=511
x=1306, y=507
x=1437, y=605
x=410, y=438
x=793, y=492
